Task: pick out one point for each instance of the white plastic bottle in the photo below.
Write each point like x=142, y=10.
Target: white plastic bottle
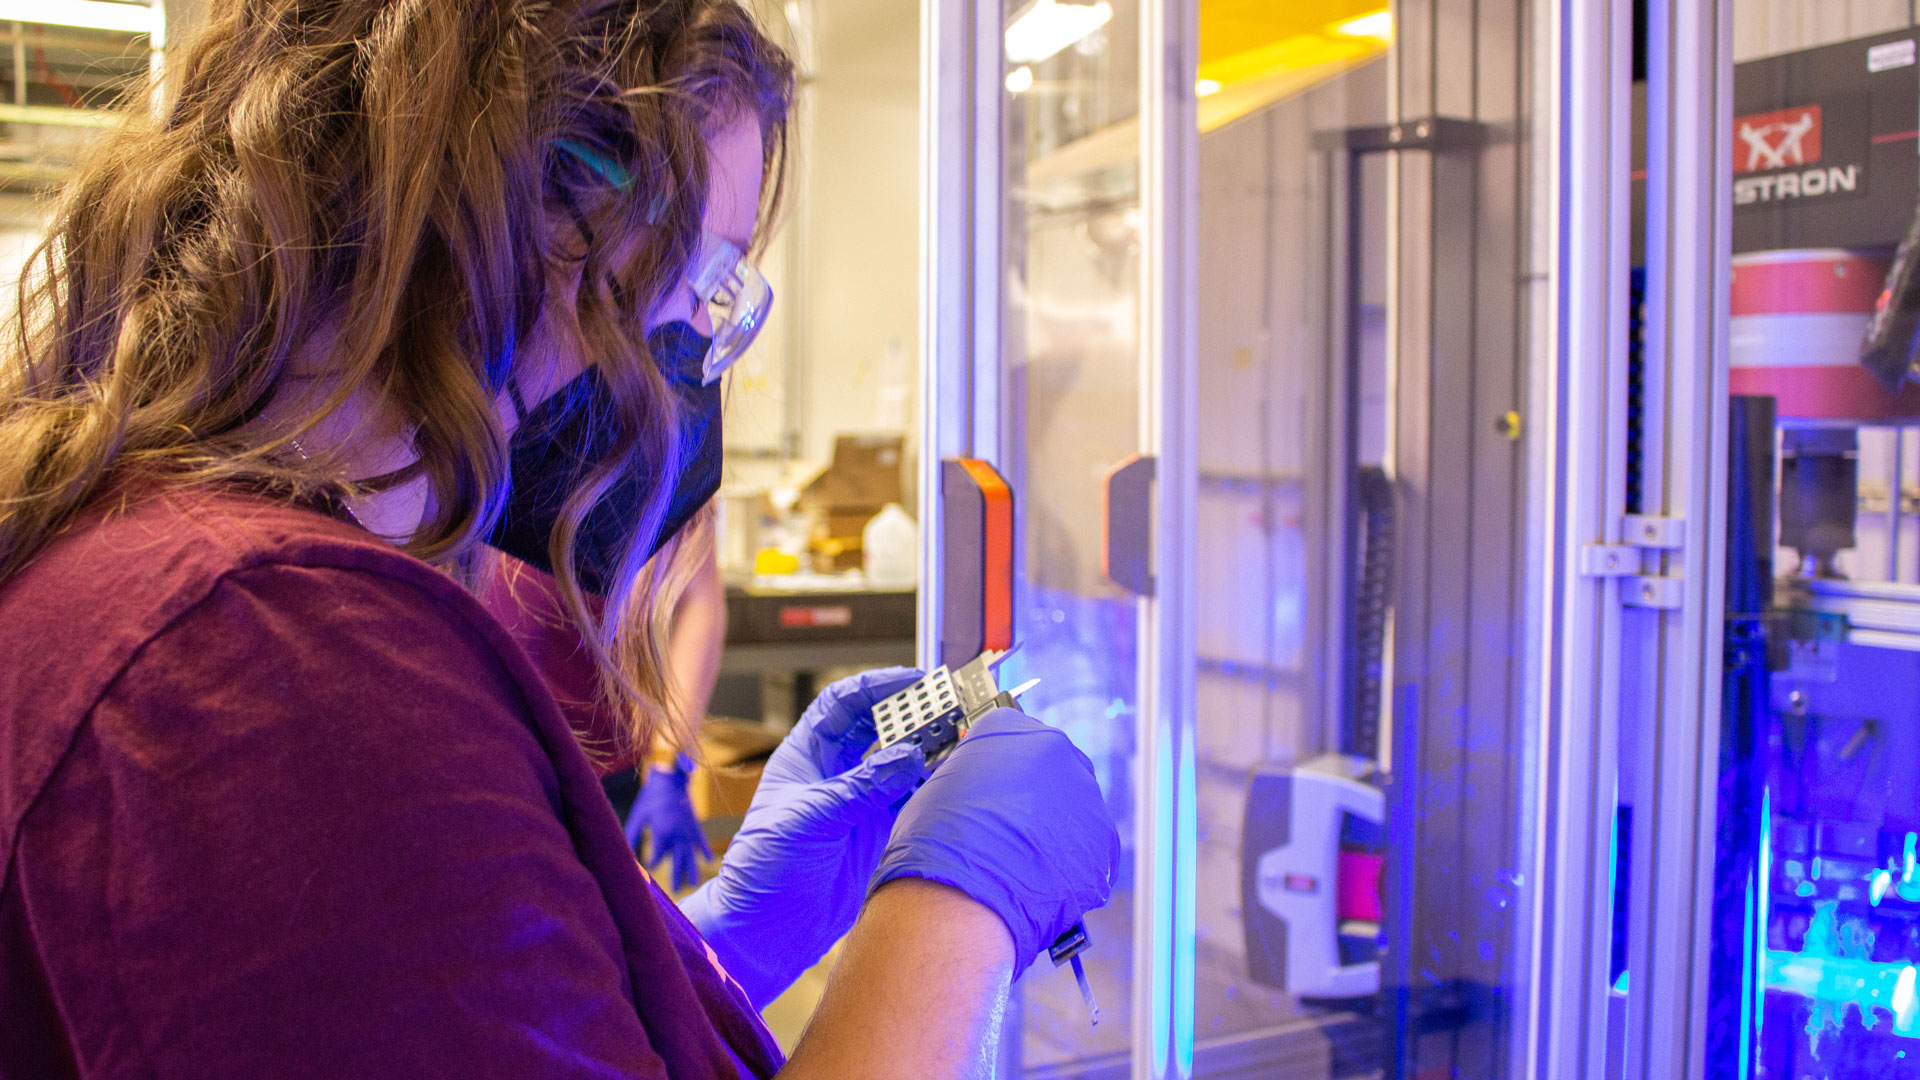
x=890, y=549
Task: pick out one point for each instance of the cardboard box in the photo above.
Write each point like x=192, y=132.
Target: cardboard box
x=733, y=754
x=863, y=477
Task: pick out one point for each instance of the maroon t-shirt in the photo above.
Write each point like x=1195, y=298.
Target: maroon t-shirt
x=526, y=600
x=279, y=801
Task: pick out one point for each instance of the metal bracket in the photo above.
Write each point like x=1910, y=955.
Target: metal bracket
x=1651, y=591
x=1643, y=532
x=1609, y=560
x=1648, y=531
x=1431, y=133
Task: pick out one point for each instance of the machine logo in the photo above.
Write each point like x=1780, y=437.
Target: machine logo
x=1783, y=139
x=1785, y=148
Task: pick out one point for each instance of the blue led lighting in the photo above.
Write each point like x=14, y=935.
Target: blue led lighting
x=1765, y=889
x=1753, y=951
x=1909, y=889
x=1834, y=972
x=1613, y=859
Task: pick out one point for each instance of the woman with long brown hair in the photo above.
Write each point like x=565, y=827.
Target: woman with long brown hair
x=386, y=285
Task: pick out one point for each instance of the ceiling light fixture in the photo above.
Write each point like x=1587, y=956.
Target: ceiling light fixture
x=1020, y=80
x=1377, y=25
x=1047, y=26
x=84, y=14
x=1206, y=87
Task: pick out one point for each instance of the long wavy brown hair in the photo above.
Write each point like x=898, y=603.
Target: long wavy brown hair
x=383, y=177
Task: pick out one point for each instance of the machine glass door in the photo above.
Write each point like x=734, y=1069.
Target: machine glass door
x=1294, y=543
x=1070, y=402
x=1361, y=754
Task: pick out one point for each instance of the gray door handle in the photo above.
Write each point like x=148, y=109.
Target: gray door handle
x=1128, y=552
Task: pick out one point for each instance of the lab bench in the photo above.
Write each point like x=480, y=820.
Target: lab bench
x=776, y=633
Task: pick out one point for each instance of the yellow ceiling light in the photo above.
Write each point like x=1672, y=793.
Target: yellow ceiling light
x=1249, y=41
x=1020, y=80
x=1233, y=26
x=1377, y=25
x=1288, y=54
x=1253, y=53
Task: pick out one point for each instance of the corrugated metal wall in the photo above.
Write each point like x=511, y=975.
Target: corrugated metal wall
x=1457, y=881
x=1766, y=27
x=1265, y=226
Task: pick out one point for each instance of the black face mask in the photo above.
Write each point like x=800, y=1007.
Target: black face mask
x=560, y=440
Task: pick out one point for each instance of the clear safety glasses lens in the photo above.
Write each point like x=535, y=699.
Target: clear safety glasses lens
x=737, y=298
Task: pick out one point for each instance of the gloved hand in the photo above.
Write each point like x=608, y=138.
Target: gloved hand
x=663, y=810
x=1014, y=819
x=792, y=880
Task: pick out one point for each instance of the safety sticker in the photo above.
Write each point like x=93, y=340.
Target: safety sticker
x=1890, y=55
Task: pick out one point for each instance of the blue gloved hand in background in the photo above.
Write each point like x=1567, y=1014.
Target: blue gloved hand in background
x=1013, y=818
x=665, y=812
x=793, y=879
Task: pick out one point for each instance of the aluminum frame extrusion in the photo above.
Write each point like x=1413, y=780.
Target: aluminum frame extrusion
x=1166, y=826
x=1689, y=243
x=961, y=271
x=1579, y=482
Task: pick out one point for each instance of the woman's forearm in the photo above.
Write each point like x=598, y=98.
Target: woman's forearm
x=919, y=991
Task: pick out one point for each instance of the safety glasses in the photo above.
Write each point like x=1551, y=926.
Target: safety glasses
x=737, y=298
x=736, y=294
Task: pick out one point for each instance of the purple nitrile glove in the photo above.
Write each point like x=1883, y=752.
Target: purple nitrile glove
x=1013, y=818
x=794, y=876
x=664, y=811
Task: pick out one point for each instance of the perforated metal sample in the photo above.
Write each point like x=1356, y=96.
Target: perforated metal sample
x=936, y=711
x=929, y=712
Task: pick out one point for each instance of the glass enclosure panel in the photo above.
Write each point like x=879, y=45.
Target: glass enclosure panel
x=1072, y=407
x=1293, y=294
x=1817, y=900
x=1361, y=754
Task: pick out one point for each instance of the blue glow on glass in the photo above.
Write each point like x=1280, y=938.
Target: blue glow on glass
x=1186, y=825
x=1620, y=984
x=1613, y=861
x=1909, y=878
x=1815, y=873
x=1752, y=957
x=1805, y=888
x=1878, y=884
x=1764, y=916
